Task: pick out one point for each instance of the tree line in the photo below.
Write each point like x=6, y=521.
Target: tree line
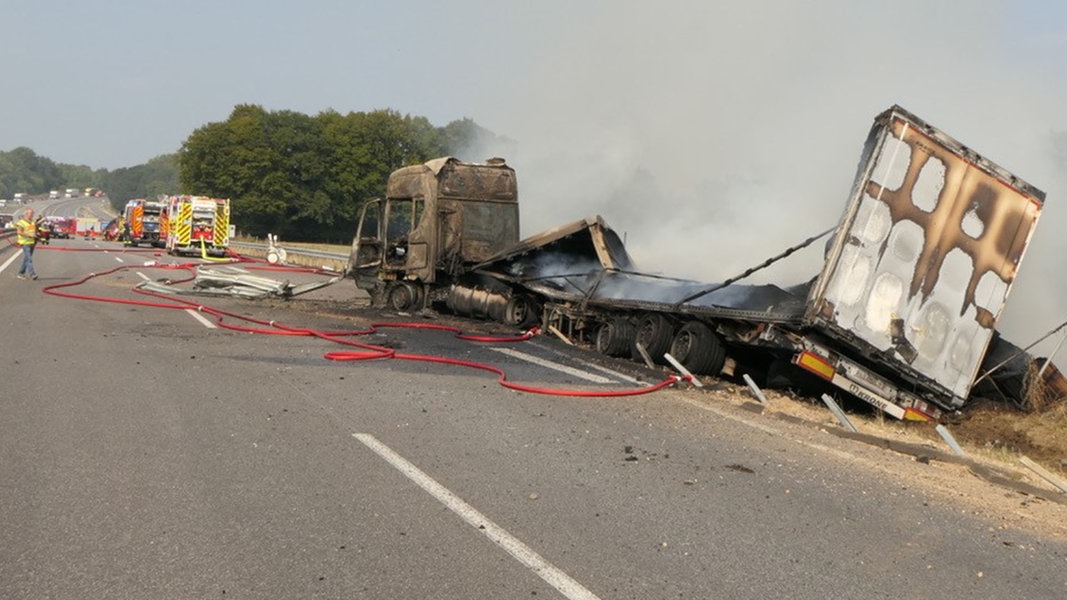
x=304, y=177
x=299, y=176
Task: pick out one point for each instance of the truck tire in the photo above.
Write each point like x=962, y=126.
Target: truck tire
x=699, y=349
x=521, y=310
x=615, y=337
x=404, y=295
x=379, y=295
x=654, y=332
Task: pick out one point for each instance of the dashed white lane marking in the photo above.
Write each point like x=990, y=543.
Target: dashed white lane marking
x=518, y=550
x=119, y=259
x=554, y=366
x=11, y=260
x=200, y=317
x=192, y=313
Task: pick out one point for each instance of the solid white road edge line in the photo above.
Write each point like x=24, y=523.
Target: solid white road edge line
x=519, y=551
x=555, y=366
x=613, y=373
x=7, y=262
x=594, y=366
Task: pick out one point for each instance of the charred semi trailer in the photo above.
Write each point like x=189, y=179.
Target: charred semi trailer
x=901, y=315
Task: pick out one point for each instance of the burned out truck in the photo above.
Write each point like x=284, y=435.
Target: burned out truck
x=901, y=315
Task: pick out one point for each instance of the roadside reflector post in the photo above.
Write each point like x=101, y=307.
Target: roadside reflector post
x=644, y=354
x=752, y=387
x=951, y=441
x=683, y=370
x=840, y=414
x=556, y=332
x=1044, y=473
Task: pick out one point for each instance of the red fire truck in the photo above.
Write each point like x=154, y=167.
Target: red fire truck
x=62, y=227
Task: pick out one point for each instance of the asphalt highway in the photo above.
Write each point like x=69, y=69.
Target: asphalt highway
x=147, y=452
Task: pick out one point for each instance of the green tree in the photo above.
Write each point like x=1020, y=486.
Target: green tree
x=305, y=178
x=157, y=177
x=22, y=170
x=78, y=177
x=364, y=148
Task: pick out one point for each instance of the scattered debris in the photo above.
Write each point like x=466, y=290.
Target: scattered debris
x=235, y=281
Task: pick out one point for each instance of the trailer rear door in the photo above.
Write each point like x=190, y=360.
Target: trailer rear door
x=925, y=255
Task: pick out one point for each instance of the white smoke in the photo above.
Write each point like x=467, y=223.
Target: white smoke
x=713, y=136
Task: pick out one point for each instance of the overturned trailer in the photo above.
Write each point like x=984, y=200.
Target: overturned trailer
x=915, y=276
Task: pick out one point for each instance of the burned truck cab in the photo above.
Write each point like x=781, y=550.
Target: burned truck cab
x=437, y=219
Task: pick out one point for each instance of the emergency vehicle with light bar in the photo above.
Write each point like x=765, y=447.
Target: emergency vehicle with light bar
x=197, y=225
x=914, y=279
x=63, y=227
x=143, y=223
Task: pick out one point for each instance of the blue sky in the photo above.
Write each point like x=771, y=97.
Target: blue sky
x=736, y=125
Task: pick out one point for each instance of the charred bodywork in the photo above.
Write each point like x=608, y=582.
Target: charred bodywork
x=437, y=219
x=915, y=277
x=925, y=255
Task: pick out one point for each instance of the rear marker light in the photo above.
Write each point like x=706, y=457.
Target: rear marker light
x=816, y=364
x=910, y=414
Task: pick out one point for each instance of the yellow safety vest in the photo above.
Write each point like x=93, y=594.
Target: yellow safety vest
x=27, y=232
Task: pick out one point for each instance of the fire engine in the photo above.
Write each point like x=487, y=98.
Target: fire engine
x=197, y=224
x=62, y=227
x=143, y=222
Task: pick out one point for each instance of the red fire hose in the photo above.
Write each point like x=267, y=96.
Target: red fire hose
x=365, y=352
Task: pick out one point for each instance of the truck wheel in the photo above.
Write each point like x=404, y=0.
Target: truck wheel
x=615, y=337
x=699, y=349
x=379, y=295
x=404, y=295
x=654, y=332
x=521, y=311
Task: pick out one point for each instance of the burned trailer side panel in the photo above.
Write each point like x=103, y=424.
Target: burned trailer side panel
x=576, y=246
x=555, y=264
x=586, y=262
x=924, y=257
x=586, y=281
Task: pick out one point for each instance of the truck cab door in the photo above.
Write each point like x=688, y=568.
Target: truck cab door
x=365, y=261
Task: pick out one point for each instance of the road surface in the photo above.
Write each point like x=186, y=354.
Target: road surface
x=146, y=452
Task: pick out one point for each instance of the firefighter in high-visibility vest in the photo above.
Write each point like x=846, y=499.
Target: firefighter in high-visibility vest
x=26, y=238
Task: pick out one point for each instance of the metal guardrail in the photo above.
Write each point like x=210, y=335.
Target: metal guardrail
x=297, y=255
